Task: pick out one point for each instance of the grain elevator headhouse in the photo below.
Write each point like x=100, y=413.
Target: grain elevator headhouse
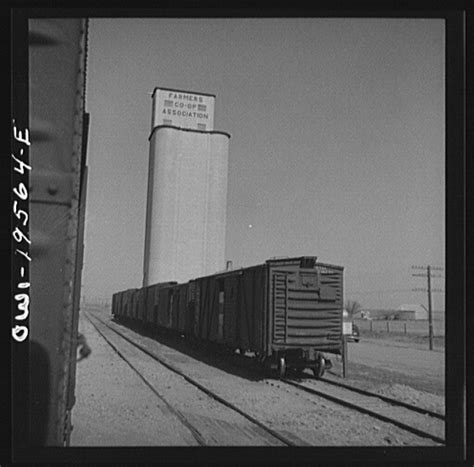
x=187, y=188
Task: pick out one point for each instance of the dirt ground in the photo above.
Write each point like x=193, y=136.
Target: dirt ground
x=415, y=341
x=412, y=390
x=115, y=408
x=112, y=401
x=395, y=362
x=397, y=366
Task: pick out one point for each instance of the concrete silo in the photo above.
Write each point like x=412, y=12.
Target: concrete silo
x=187, y=189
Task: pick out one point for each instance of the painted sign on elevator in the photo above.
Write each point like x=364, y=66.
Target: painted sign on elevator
x=183, y=109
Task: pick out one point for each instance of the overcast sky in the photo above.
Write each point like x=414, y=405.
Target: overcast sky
x=337, y=143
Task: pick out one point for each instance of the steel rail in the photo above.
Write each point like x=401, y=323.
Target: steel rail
x=207, y=391
x=196, y=435
x=342, y=402
x=365, y=411
x=390, y=400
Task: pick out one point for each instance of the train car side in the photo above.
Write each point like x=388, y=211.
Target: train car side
x=288, y=313
x=57, y=58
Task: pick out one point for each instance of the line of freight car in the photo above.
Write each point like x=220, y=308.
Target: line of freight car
x=288, y=312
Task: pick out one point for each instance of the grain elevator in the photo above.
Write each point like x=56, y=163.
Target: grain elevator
x=187, y=189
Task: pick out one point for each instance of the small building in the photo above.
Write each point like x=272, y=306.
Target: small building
x=376, y=314
x=412, y=312
x=365, y=314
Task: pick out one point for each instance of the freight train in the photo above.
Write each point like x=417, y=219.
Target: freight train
x=287, y=312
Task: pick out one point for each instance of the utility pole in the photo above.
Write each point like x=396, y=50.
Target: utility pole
x=430, y=312
x=428, y=275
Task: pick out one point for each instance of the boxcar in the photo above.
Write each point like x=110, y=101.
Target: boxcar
x=180, y=303
x=120, y=301
x=141, y=296
x=287, y=312
x=49, y=100
x=304, y=304
x=127, y=303
x=151, y=300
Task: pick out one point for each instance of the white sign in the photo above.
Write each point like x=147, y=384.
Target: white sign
x=347, y=328
x=183, y=109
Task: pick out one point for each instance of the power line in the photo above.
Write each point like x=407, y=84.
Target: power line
x=432, y=268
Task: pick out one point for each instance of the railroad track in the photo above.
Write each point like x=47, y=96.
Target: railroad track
x=390, y=400
x=421, y=422
x=416, y=420
x=281, y=439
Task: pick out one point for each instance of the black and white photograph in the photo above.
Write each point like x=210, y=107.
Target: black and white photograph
x=240, y=231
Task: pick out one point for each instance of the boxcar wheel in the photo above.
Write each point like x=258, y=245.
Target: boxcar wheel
x=318, y=370
x=282, y=367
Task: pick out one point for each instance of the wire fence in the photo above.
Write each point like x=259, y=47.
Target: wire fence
x=418, y=327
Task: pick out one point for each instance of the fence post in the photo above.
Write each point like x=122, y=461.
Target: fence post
x=388, y=327
x=405, y=327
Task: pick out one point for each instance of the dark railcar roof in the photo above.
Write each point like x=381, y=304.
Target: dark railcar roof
x=297, y=259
